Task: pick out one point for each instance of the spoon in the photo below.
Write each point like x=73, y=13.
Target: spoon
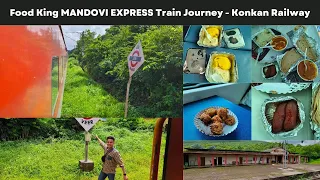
x=268, y=46
x=305, y=57
x=207, y=33
x=259, y=52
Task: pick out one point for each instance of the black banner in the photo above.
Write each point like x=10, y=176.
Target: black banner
x=222, y=12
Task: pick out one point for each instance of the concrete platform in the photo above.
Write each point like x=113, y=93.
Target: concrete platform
x=256, y=172
x=86, y=166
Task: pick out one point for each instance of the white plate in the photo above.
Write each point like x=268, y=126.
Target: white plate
x=281, y=88
x=206, y=129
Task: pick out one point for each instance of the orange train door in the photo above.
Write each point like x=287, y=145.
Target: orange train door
x=173, y=161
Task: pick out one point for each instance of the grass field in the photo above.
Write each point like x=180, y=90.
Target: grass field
x=58, y=159
x=83, y=97
x=317, y=161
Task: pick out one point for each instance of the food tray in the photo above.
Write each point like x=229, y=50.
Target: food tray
x=198, y=66
x=206, y=129
x=233, y=77
x=312, y=42
x=268, y=109
x=238, y=35
x=200, y=40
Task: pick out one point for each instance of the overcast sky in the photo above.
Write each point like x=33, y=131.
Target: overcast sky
x=71, y=32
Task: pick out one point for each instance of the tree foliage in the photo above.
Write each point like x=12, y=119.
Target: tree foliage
x=156, y=86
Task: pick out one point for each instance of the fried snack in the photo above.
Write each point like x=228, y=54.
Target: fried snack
x=315, y=111
x=211, y=112
x=205, y=118
x=289, y=59
x=229, y=120
x=290, y=121
x=223, y=113
x=279, y=117
x=303, y=44
x=216, y=118
x=216, y=128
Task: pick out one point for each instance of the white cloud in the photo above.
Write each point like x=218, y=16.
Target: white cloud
x=71, y=32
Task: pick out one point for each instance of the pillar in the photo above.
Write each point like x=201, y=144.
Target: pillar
x=270, y=160
x=199, y=160
x=212, y=161
x=247, y=159
x=255, y=159
x=237, y=160
x=225, y=160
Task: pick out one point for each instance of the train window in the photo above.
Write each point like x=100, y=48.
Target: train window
x=54, y=81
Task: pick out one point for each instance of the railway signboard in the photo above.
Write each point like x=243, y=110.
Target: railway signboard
x=135, y=58
x=87, y=123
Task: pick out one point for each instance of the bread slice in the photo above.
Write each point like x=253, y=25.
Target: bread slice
x=289, y=59
x=303, y=44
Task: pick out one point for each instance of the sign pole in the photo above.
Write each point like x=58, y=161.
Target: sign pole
x=135, y=60
x=86, y=148
x=127, y=97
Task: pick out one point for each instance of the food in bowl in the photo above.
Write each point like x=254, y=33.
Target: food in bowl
x=270, y=71
x=307, y=70
x=279, y=43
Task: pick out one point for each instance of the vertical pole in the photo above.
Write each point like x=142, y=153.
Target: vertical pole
x=212, y=160
x=156, y=146
x=247, y=159
x=86, y=148
x=255, y=159
x=127, y=97
x=199, y=160
x=236, y=160
x=225, y=160
x=86, y=152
